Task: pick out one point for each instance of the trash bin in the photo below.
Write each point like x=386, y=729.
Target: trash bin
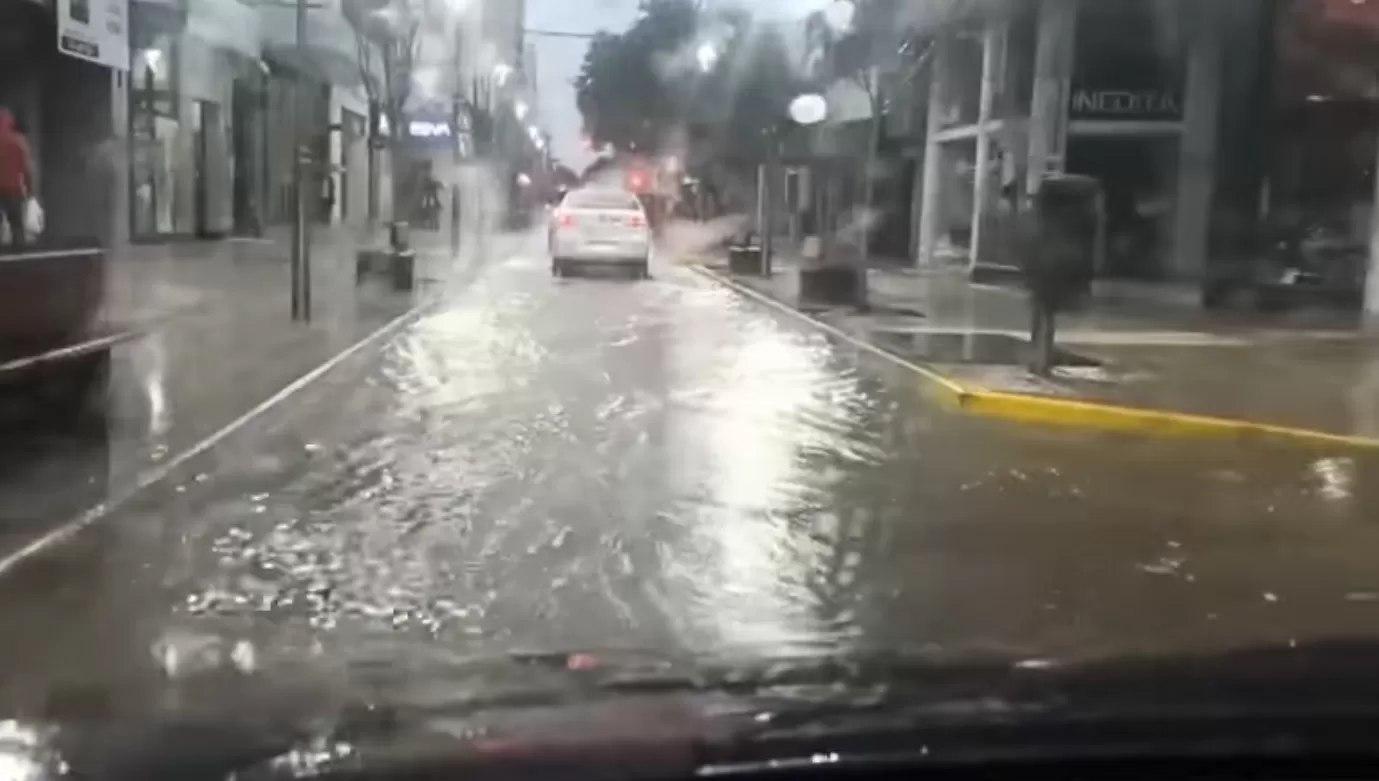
x=1059, y=255
x=403, y=271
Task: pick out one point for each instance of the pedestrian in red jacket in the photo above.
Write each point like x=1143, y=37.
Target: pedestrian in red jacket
x=16, y=176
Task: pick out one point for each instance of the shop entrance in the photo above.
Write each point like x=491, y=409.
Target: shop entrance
x=1138, y=175
x=247, y=144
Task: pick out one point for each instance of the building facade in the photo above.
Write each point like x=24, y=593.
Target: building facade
x=216, y=86
x=1136, y=93
x=71, y=109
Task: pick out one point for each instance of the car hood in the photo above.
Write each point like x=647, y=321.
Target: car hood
x=588, y=716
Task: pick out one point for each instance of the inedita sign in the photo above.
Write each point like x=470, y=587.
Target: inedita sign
x=1129, y=104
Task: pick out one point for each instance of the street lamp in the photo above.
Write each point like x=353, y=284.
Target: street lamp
x=839, y=14
x=706, y=55
x=520, y=109
x=808, y=109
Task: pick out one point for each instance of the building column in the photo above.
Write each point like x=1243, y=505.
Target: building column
x=118, y=151
x=931, y=186
x=1371, y=300
x=1053, y=68
x=992, y=40
x=1197, y=149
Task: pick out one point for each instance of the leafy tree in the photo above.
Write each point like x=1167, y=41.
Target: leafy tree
x=623, y=88
x=646, y=90
x=871, y=49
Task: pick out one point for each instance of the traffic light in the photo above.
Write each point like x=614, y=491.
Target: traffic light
x=637, y=180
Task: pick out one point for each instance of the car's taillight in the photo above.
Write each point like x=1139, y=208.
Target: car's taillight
x=636, y=221
x=565, y=219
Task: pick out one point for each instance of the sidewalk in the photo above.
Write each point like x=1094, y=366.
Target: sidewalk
x=1151, y=363
x=217, y=340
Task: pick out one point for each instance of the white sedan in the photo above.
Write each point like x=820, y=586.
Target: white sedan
x=607, y=227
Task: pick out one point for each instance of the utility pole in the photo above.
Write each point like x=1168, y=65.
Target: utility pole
x=301, y=239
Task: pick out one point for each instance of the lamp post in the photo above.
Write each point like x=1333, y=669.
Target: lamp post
x=806, y=110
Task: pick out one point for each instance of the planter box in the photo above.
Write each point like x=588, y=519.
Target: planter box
x=403, y=270
x=744, y=260
x=833, y=285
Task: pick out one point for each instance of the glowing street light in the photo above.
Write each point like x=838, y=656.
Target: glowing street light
x=501, y=72
x=706, y=55
x=808, y=109
x=839, y=15
x=520, y=109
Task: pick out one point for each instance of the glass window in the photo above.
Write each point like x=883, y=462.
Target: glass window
x=962, y=95
x=593, y=199
x=158, y=141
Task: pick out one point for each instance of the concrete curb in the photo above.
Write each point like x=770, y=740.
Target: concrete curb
x=1050, y=410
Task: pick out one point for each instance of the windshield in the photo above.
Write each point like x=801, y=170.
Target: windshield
x=1034, y=331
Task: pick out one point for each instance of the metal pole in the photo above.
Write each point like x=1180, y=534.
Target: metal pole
x=301, y=261
x=768, y=182
x=455, y=181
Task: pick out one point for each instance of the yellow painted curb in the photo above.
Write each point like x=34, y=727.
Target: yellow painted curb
x=1102, y=416
x=1076, y=413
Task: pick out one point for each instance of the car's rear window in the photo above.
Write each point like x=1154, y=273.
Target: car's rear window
x=602, y=200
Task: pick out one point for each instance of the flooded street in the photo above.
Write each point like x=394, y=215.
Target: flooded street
x=595, y=463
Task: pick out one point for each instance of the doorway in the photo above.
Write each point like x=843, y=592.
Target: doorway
x=208, y=159
x=247, y=141
x=1138, y=175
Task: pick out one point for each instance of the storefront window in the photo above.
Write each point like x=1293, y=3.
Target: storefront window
x=155, y=131
x=1323, y=164
x=1021, y=45
x=1126, y=112
x=963, y=69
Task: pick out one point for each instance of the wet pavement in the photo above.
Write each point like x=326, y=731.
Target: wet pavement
x=595, y=463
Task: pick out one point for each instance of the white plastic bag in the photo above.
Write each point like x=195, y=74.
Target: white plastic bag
x=33, y=218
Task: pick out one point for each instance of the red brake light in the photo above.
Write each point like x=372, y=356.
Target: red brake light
x=636, y=221
x=565, y=219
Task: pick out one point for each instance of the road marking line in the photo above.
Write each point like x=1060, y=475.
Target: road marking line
x=92, y=515
x=1076, y=413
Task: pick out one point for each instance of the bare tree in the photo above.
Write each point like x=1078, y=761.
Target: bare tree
x=388, y=45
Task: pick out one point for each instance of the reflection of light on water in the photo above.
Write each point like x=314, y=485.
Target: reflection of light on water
x=753, y=564
x=1337, y=477
x=153, y=380
x=752, y=398
x=19, y=748
x=314, y=758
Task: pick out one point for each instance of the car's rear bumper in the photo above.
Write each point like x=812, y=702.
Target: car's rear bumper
x=620, y=252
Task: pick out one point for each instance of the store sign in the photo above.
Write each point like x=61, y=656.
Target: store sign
x=432, y=131
x=420, y=128
x=95, y=30
x=1126, y=104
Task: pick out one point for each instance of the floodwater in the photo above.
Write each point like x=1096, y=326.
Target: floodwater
x=598, y=463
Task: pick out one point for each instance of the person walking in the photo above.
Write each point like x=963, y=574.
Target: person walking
x=16, y=177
